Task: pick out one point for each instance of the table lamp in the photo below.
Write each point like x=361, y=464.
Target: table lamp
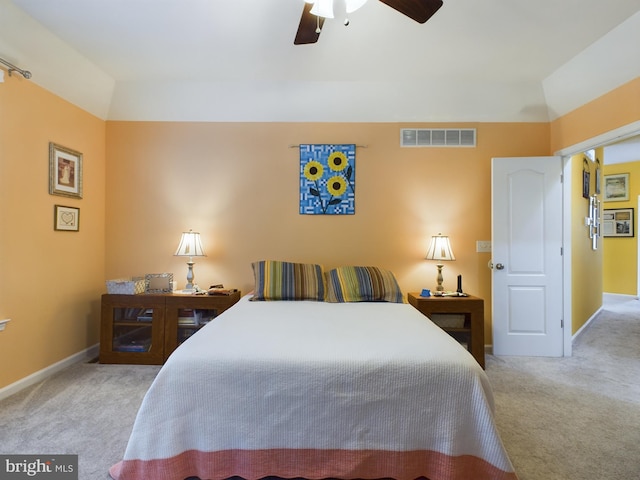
x=190, y=246
x=440, y=250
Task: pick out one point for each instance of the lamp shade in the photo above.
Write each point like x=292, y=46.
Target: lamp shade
x=440, y=248
x=190, y=245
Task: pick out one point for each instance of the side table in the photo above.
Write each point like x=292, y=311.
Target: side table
x=471, y=330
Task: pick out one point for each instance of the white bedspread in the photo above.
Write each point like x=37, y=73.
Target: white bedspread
x=316, y=390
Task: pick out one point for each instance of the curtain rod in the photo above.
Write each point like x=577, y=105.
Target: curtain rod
x=12, y=68
x=357, y=146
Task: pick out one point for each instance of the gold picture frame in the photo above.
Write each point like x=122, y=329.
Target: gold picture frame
x=616, y=188
x=65, y=171
x=66, y=219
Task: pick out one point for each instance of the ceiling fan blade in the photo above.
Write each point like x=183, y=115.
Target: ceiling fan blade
x=418, y=10
x=307, y=27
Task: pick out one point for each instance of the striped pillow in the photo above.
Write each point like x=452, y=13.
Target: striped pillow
x=276, y=280
x=362, y=284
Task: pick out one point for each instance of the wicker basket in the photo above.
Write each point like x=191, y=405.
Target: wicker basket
x=123, y=286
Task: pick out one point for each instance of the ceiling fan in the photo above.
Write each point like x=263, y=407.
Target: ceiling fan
x=311, y=22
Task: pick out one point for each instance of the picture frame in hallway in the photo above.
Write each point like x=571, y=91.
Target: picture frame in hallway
x=586, y=178
x=65, y=171
x=618, y=222
x=66, y=218
x=616, y=188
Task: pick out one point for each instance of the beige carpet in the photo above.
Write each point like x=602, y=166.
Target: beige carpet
x=560, y=419
x=575, y=418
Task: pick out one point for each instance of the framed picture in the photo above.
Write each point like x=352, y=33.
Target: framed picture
x=66, y=218
x=586, y=178
x=65, y=171
x=327, y=179
x=158, y=282
x=616, y=187
x=617, y=222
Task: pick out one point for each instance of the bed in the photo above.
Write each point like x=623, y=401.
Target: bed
x=317, y=389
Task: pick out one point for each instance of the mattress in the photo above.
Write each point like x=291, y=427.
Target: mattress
x=317, y=390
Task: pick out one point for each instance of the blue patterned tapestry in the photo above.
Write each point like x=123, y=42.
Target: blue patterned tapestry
x=327, y=179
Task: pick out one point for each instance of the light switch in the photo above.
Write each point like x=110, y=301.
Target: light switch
x=483, y=246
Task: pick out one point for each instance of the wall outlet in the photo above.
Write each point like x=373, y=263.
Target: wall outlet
x=483, y=246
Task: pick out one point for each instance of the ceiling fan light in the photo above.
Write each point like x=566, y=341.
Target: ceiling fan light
x=323, y=8
x=353, y=5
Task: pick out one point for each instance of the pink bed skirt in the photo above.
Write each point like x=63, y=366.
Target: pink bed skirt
x=310, y=464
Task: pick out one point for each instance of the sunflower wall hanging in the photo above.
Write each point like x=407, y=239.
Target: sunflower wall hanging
x=327, y=179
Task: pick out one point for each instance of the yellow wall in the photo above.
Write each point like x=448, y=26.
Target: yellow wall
x=51, y=281
x=621, y=254
x=586, y=274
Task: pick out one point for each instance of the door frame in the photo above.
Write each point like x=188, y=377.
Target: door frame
x=617, y=134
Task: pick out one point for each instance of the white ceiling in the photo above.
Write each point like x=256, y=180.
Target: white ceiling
x=222, y=60
x=623, y=152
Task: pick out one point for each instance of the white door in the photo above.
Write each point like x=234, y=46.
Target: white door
x=527, y=256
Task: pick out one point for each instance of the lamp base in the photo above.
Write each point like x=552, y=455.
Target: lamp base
x=189, y=287
x=440, y=288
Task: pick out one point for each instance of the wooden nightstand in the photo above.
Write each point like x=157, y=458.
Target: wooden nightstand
x=180, y=325
x=147, y=328
x=471, y=329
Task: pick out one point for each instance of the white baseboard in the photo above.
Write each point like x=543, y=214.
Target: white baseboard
x=586, y=324
x=606, y=298
x=617, y=297
x=85, y=355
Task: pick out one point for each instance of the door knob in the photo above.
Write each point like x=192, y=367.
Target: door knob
x=499, y=266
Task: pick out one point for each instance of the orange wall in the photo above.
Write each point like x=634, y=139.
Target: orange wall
x=238, y=185
x=51, y=281
x=613, y=110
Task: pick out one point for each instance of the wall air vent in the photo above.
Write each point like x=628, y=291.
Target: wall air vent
x=438, y=137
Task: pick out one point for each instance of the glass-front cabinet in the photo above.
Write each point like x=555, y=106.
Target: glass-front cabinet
x=147, y=328
x=185, y=315
x=132, y=329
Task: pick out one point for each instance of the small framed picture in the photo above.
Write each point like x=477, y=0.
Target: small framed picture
x=65, y=171
x=617, y=222
x=158, y=282
x=66, y=218
x=616, y=187
x=586, y=178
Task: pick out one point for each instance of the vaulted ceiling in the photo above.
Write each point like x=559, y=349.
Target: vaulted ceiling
x=222, y=60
